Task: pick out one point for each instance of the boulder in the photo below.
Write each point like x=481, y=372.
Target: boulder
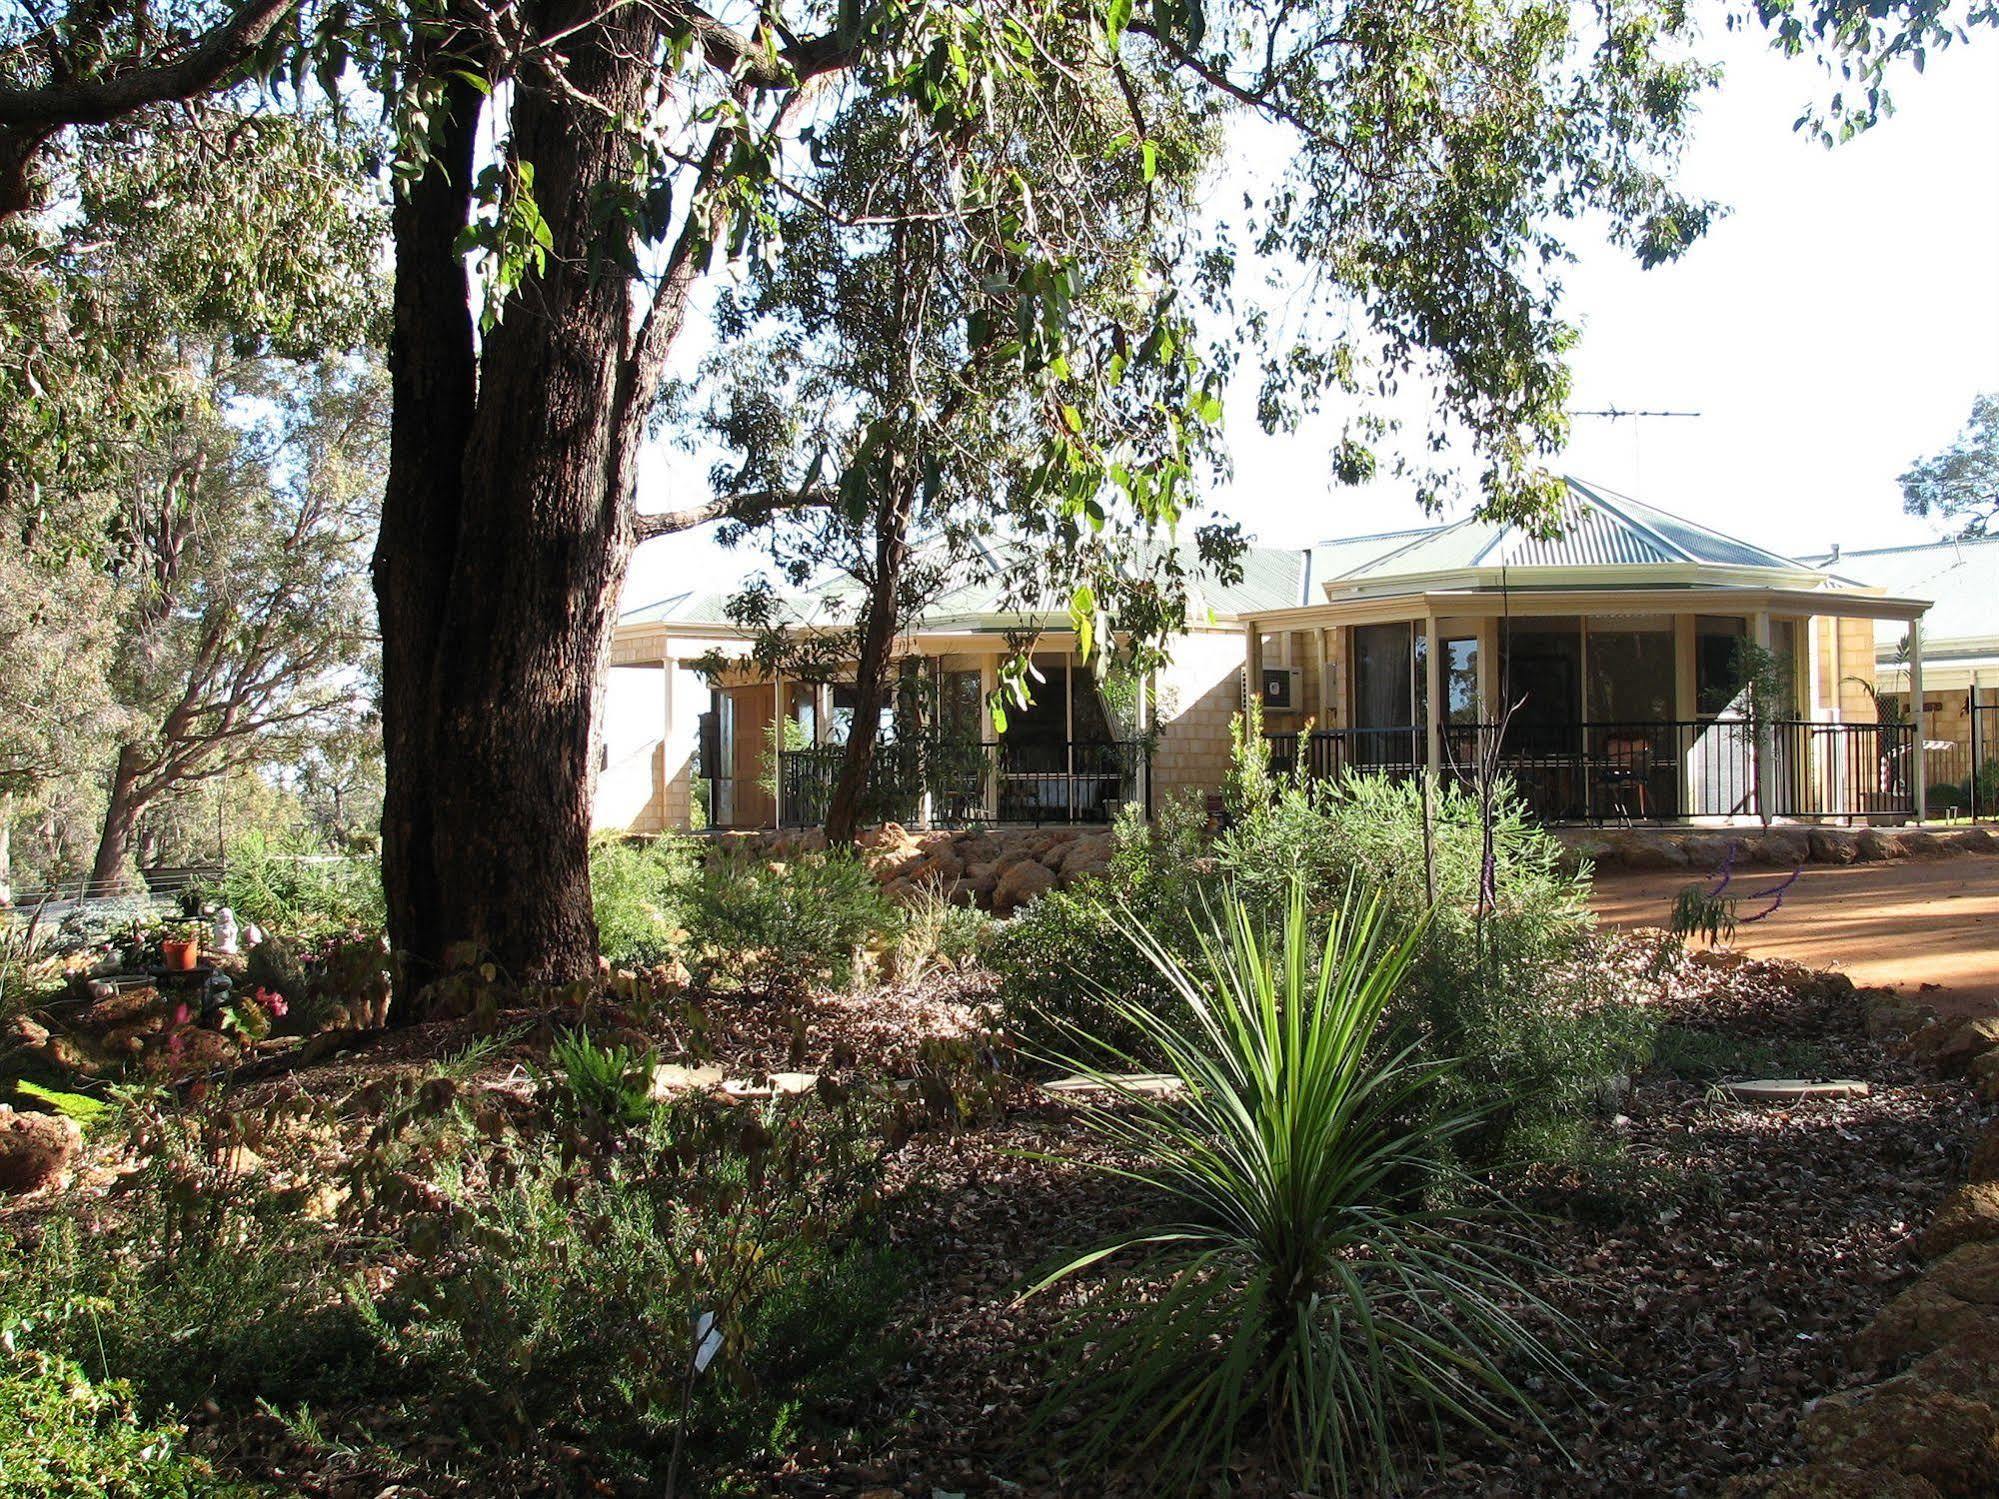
x=1831, y=846
x=35, y=1149
x=1020, y=883
x=1960, y=1294
x=1918, y=844
x=1970, y=1215
x=1985, y=1156
x=1594, y=847
x=1952, y=1046
x=1985, y=1073
x=1780, y=848
x=1872, y=846
x=1975, y=840
x=1889, y=1015
x=1909, y=1426
x=1644, y=851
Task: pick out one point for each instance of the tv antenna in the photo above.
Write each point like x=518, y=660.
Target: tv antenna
x=1637, y=418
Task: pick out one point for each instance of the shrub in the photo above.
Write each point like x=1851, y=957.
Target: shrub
x=700, y=1292
x=938, y=934
x=1510, y=984
x=639, y=891
x=63, y=1437
x=1297, y=1280
x=208, y=1286
x=291, y=885
x=785, y=927
x=1156, y=877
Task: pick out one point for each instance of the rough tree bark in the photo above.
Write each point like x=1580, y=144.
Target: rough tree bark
x=506, y=530
x=110, y=872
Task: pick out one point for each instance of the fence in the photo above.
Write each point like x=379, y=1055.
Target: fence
x=956, y=782
x=1964, y=774
x=1654, y=771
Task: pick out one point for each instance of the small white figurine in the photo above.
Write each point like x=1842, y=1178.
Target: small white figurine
x=225, y=930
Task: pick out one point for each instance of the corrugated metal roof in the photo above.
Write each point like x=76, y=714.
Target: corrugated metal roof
x=1961, y=578
x=1272, y=578
x=1597, y=528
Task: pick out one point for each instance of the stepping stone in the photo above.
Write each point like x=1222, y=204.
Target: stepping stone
x=669, y=1078
x=1793, y=1089
x=781, y=1085
x=1149, y=1084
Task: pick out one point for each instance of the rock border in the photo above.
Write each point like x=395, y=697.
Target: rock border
x=1928, y=1423
x=1782, y=846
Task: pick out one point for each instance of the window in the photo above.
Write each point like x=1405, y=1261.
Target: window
x=1541, y=664
x=962, y=711
x=1716, y=680
x=1630, y=669
x=1383, y=691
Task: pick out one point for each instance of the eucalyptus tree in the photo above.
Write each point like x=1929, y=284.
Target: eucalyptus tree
x=870, y=369
x=164, y=393
x=1427, y=156
x=1960, y=485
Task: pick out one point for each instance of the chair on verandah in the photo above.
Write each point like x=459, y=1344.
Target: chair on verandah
x=1624, y=773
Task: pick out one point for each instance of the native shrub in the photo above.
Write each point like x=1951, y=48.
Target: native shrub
x=293, y=886
x=698, y=1294
x=1062, y=958
x=63, y=1436
x=1292, y=1280
x=786, y=927
x=640, y=892
x=597, y=1087
x=1507, y=980
x=939, y=934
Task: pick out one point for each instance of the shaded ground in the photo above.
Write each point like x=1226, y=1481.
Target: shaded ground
x=1906, y=925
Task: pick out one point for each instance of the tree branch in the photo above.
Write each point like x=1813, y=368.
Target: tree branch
x=195, y=71
x=751, y=507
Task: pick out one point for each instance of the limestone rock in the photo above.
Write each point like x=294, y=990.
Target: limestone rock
x=1970, y=1215
x=1831, y=846
x=1921, y=845
x=1959, y=1295
x=1020, y=883
x=1889, y=1015
x=1872, y=846
x=35, y=1149
x=1783, y=848
x=1651, y=853
x=1954, y=1046
x=1985, y=1073
x=1985, y=1156
x=1908, y=1426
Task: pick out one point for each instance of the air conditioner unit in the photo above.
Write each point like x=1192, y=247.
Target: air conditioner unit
x=1281, y=688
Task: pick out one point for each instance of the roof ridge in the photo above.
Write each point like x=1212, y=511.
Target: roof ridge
x=1340, y=541
x=1418, y=537
x=1666, y=545
x=1598, y=492
x=1951, y=543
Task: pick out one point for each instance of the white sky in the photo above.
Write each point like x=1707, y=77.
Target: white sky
x=1831, y=329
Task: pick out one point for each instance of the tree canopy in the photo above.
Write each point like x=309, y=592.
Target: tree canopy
x=1960, y=485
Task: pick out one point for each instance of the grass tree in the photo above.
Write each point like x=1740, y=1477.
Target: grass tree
x=1296, y=1279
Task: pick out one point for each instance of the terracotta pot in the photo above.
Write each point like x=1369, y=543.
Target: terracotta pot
x=179, y=956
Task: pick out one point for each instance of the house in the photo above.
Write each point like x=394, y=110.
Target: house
x=1601, y=667
x=1960, y=659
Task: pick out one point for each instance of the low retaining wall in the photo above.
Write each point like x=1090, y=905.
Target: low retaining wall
x=1780, y=847
x=995, y=869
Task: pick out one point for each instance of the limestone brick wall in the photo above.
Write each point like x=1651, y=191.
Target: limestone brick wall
x=1196, y=698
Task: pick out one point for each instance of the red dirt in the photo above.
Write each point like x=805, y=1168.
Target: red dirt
x=1928, y=926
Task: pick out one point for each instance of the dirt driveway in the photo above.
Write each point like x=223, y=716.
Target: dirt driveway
x=1905, y=925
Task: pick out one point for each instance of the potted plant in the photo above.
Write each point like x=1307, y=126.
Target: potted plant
x=180, y=946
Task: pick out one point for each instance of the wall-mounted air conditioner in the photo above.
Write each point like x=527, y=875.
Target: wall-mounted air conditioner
x=1281, y=688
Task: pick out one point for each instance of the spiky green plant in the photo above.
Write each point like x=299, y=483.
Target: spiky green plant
x=1299, y=1280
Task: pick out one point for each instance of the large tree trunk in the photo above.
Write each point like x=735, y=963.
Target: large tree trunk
x=110, y=872
x=505, y=536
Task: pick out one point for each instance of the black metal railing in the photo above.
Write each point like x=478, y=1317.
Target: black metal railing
x=957, y=782
x=1665, y=771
